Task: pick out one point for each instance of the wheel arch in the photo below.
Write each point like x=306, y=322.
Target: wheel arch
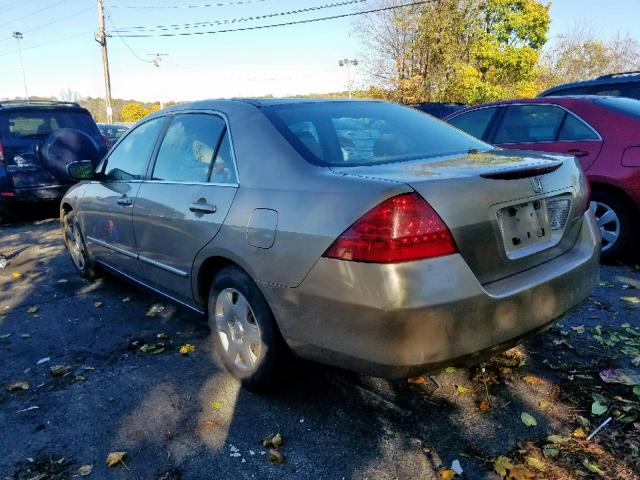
x=207, y=272
x=597, y=186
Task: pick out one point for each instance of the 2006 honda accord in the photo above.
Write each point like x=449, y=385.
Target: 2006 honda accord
x=361, y=234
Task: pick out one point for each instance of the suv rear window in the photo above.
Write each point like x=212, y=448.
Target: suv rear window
x=366, y=133
x=40, y=123
x=626, y=106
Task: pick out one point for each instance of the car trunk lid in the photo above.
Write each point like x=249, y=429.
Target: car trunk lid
x=507, y=211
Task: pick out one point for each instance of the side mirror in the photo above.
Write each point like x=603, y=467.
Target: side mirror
x=81, y=170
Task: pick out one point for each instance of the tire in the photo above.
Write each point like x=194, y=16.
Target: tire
x=615, y=219
x=76, y=246
x=247, y=340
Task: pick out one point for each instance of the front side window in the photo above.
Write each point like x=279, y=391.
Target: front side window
x=128, y=160
x=188, y=148
x=366, y=133
x=474, y=122
x=530, y=124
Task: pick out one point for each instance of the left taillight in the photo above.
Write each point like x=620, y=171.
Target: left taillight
x=400, y=229
x=1, y=153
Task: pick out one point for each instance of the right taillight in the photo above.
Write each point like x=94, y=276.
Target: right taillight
x=1, y=153
x=400, y=229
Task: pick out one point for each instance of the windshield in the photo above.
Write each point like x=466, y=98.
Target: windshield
x=366, y=133
x=626, y=106
x=40, y=123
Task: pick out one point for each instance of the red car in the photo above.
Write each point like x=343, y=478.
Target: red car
x=603, y=132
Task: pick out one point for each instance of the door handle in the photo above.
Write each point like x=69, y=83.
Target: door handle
x=125, y=201
x=203, y=208
x=578, y=153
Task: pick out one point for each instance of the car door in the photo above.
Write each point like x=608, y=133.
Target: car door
x=183, y=204
x=108, y=202
x=548, y=128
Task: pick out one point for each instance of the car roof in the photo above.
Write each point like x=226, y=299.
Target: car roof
x=37, y=105
x=624, y=77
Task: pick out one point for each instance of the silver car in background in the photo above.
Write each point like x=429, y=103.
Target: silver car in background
x=360, y=234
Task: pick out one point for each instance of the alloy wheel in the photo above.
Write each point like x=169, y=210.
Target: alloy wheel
x=238, y=330
x=608, y=222
x=75, y=244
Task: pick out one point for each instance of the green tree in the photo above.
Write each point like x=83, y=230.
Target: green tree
x=133, y=111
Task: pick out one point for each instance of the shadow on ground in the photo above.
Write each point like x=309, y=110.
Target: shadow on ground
x=182, y=416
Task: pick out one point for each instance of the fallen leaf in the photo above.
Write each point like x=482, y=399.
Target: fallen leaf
x=591, y=467
x=22, y=385
x=462, y=390
x=624, y=376
x=155, y=310
x=456, y=467
x=550, y=452
x=598, y=409
x=216, y=405
x=85, y=470
x=275, y=457
x=25, y=336
x=115, y=458
x=501, y=465
x=5, y=335
x=32, y=310
x=520, y=472
x=272, y=440
x=634, y=300
x=422, y=380
x=536, y=463
x=126, y=299
x=579, y=433
x=16, y=275
x=152, y=348
x=186, y=349
x=450, y=369
x=447, y=474
x=543, y=404
x=98, y=304
x=533, y=380
x=578, y=329
x=59, y=370
x=63, y=280
x=557, y=439
x=636, y=390
x=79, y=378
x=162, y=336
x=528, y=420
x=484, y=406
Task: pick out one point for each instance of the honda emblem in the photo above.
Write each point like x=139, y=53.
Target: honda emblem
x=536, y=184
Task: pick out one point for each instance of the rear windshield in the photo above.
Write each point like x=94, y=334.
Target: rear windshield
x=626, y=106
x=40, y=123
x=366, y=133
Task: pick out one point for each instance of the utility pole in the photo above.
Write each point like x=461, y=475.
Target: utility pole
x=348, y=63
x=101, y=38
x=157, y=60
x=18, y=37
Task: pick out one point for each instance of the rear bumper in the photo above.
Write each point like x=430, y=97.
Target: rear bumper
x=36, y=194
x=405, y=319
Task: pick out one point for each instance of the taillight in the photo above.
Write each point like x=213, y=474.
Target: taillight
x=1, y=153
x=400, y=229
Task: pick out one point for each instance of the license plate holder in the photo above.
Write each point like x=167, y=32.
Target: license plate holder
x=524, y=226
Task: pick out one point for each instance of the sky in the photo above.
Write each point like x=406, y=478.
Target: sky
x=59, y=50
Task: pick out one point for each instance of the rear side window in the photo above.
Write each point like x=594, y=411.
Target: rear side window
x=626, y=106
x=474, y=122
x=570, y=91
x=128, y=160
x=40, y=123
x=224, y=170
x=530, y=124
x=366, y=133
x=188, y=148
x=574, y=129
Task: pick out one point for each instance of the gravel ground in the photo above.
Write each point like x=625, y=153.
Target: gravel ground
x=183, y=417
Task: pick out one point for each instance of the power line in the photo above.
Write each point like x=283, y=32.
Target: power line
x=275, y=25
x=115, y=29
x=15, y=2
x=204, y=5
x=46, y=44
x=239, y=19
x=53, y=22
x=33, y=13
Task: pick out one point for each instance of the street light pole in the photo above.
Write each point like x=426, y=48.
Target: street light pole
x=18, y=37
x=348, y=63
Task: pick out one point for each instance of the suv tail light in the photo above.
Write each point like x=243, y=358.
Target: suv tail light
x=1, y=153
x=400, y=229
